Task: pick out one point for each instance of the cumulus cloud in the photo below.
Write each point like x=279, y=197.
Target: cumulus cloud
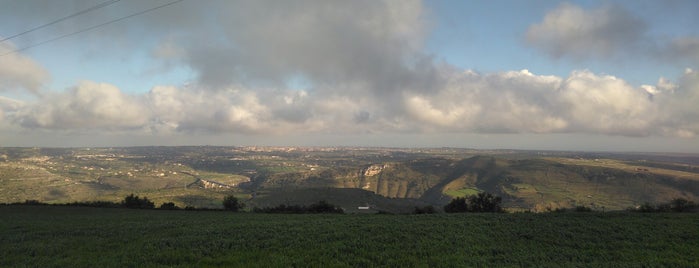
x=513, y=102
x=9, y=106
x=469, y=102
x=606, y=104
x=680, y=112
x=89, y=105
x=363, y=71
x=232, y=110
x=571, y=31
x=19, y=72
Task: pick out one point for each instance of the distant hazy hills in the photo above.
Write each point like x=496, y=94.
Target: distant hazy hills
x=537, y=184
x=394, y=180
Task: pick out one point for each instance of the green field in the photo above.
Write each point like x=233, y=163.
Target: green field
x=41, y=236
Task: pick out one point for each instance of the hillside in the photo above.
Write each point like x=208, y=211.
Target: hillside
x=395, y=179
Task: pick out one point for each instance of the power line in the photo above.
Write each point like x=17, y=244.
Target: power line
x=101, y=5
x=92, y=28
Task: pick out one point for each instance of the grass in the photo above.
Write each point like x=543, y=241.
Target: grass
x=90, y=237
x=463, y=192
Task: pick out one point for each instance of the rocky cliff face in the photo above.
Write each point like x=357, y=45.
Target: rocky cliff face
x=373, y=170
x=206, y=184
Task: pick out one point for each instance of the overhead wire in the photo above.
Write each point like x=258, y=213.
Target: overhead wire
x=91, y=28
x=101, y=5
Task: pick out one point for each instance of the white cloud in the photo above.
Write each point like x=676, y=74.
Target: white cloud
x=679, y=109
x=89, y=105
x=9, y=106
x=468, y=102
x=493, y=103
x=521, y=102
x=570, y=30
x=20, y=72
x=189, y=110
x=606, y=104
x=364, y=71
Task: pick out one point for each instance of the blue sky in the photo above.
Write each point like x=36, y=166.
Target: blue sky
x=561, y=75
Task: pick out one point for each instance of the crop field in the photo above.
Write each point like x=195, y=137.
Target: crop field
x=42, y=236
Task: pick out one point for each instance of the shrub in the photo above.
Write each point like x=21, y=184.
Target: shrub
x=646, y=207
x=485, y=202
x=676, y=205
x=482, y=202
x=319, y=207
x=324, y=207
x=231, y=203
x=132, y=201
x=456, y=205
x=169, y=206
x=682, y=205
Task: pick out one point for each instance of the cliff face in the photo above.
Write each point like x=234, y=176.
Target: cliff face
x=206, y=184
x=373, y=170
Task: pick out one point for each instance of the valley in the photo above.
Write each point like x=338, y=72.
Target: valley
x=385, y=179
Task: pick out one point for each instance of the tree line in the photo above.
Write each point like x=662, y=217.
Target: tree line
x=479, y=203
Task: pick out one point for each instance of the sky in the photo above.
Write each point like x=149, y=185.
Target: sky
x=541, y=75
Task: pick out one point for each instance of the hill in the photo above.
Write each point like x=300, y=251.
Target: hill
x=394, y=179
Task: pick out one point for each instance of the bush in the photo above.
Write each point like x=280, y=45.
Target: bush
x=485, y=202
x=456, y=205
x=682, y=205
x=169, y=206
x=676, y=205
x=231, y=203
x=320, y=207
x=646, y=207
x=132, y=201
x=482, y=202
x=323, y=207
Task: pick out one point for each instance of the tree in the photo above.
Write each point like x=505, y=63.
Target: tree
x=324, y=207
x=681, y=205
x=131, y=201
x=231, y=203
x=485, y=202
x=456, y=205
x=482, y=202
x=646, y=207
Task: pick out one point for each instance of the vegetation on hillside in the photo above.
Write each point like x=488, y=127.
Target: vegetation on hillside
x=231, y=203
x=401, y=179
x=315, y=208
x=481, y=202
x=676, y=205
